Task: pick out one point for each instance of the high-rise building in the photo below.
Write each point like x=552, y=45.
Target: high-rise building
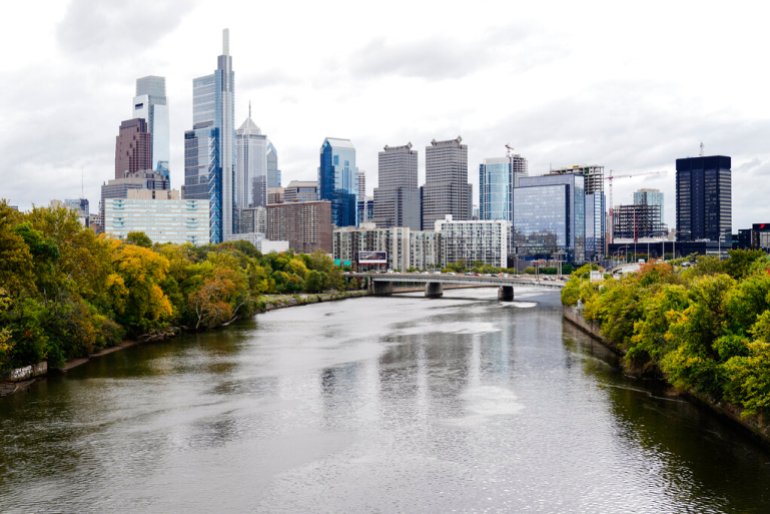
x=273, y=173
x=133, y=148
x=250, y=169
x=306, y=226
x=150, y=105
x=704, y=198
x=209, y=146
x=650, y=197
x=397, y=196
x=361, y=184
x=549, y=217
x=595, y=207
x=497, y=178
x=301, y=191
x=338, y=180
x=446, y=189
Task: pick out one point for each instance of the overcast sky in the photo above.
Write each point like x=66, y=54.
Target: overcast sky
x=628, y=87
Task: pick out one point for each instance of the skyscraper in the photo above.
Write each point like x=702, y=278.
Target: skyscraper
x=273, y=173
x=209, y=146
x=446, y=189
x=133, y=148
x=704, y=198
x=397, y=196
x=338, y=180
x=150, y=105
x=497, y=178
x=251, y=167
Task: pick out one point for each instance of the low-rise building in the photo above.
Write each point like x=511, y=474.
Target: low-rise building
x=474, y=241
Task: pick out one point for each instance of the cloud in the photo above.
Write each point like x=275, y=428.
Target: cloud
x=269, y=78
x=96, y=29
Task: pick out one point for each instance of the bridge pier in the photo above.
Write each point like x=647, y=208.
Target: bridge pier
x=505, y=293
x=382, y=288
x=434, y=290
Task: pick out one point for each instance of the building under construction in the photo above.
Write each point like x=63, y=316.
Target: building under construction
x=637, y=221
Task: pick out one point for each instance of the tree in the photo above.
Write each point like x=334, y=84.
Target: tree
x=139, y=239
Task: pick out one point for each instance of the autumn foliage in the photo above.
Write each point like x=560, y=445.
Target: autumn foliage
x=66, y=292
x=703, y=325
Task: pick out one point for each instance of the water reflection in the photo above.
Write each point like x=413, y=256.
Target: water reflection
x=456, y=404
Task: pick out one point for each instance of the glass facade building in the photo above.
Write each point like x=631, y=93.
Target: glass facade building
x=211, y=144
x=273, y=173
x=549, y=217
x=497, y=178
x=150, y=104
x=595, y=207
x=338, y=180
x=250, y=169
x=704, y=198
x=203, y=173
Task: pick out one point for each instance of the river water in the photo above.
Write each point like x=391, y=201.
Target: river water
x=397, y=404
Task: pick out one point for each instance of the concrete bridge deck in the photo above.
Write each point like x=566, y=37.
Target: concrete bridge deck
x=382, y=283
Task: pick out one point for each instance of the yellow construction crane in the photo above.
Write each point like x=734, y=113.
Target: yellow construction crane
x=609, y=178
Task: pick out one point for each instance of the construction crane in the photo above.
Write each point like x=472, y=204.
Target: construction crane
x=508, y=151
x=609, y=178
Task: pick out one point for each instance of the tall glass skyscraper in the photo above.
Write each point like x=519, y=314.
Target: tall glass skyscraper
x=273, y=173
x=251, y=167
x=150, y=104
x=338, y=180
x=213, y=131
x=497, y=178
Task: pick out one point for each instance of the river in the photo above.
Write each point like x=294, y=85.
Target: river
x=399, y=404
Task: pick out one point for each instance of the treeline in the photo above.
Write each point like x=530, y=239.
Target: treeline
x=704, y=325
x=66, y=292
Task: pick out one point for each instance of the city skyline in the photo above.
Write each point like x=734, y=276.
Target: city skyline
x=624, y=101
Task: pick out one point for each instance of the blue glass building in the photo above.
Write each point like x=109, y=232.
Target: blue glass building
x=210, y=146
x=338, y=180
x=497, y=178
x=549, y=217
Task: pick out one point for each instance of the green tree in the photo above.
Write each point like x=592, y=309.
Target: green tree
x=139, y=239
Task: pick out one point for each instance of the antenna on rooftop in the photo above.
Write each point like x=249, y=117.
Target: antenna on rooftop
x=82, y=187
x=701, y=148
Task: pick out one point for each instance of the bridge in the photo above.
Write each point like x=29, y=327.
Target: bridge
x=381, y=284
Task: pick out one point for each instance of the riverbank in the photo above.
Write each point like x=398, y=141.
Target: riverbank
x=755, y=425
x=21, y=379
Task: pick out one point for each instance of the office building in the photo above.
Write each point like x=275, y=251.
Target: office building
x=637, y=221
x=595, y=207
x=497, y=178
x=165, y=218
x=133, y=148
x=549, y=217
x=471, y=242
x=275, y=195
x=338, y=180
x=366, y=210
x=150, y=104
x=650, y=197
x=77, y=205
x=300, y=191
x=446, y=189
x=307, y=226
x=704, y=198
x=210, y=147
x=361, y=184
x=397, y=196
x=273, y=173
x=250, y=169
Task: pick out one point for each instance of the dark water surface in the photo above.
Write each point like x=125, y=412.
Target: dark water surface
x=395, y=404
